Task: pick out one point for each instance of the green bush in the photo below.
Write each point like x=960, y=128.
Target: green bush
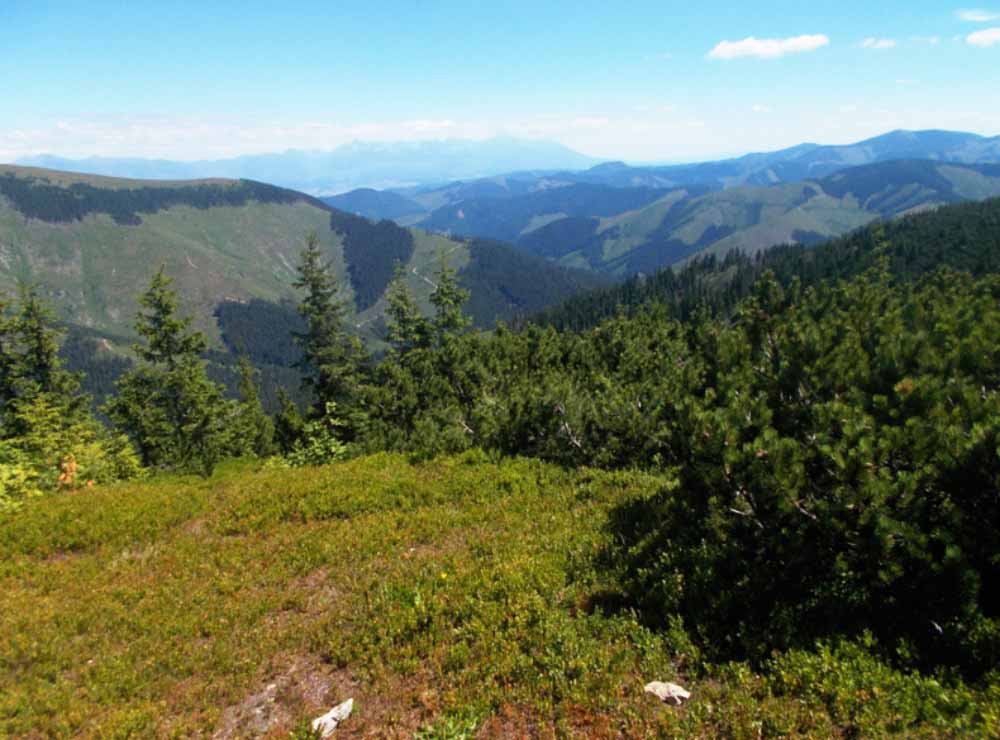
x=842, y=473
x=319, y=443
x=54, y=453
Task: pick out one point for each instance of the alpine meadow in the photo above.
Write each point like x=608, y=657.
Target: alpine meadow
x=536, y=371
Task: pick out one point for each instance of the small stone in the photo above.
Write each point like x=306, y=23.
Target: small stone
x=326, y=724
x=668, y=692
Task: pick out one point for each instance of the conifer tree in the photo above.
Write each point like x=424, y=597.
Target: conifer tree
x=174, y=413
x=40, y=369
x=252, y=430
x=332, y=358
x=448, y=299
x=48, y=438
x=30, y=366
x=408, y=329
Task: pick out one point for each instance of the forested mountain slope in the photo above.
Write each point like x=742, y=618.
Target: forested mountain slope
x=963, y=236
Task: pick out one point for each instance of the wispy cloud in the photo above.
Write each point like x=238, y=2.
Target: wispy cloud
x=761, y=108
x=767, y=48
x=931, y=40
x=874, y=43
x=978, y=16
x=986, y=37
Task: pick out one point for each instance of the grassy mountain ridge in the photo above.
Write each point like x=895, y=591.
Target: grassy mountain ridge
x=374, y=204
x=92, y=242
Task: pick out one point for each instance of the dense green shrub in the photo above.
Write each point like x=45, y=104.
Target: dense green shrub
x=318, y=442
x=842, y=473
x=55, y=454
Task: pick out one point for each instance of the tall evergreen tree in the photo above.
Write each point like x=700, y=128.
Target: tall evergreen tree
x=171, y=409
x=48, y=438
x=333, y=360
x=252, y=430
x=448, y=299
x=41, y=369
x=30, y=366
x=408, y=329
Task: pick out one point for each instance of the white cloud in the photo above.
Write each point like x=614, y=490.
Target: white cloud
x=761, y=108
x=978, y=16
x=984, y=38
x=873, y=43
x=767, y=48
x=931, y=40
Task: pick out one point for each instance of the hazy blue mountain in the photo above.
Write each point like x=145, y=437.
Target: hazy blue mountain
x=793, y=164
x=749, y=218
x=803, y=161
x=359, y=164
x=374, y=204
x=510, y=218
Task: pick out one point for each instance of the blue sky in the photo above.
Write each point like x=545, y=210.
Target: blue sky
x=643, y=81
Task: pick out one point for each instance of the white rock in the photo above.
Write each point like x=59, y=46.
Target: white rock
x=326, y=724
x=668, y=692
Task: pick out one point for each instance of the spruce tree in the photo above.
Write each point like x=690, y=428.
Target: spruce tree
x=448, y=299
x=407, y=328
x=40, y=369
x=174, y=413
x=332, y=359
x=30, y=366
x=48, y=438
x=252, y=430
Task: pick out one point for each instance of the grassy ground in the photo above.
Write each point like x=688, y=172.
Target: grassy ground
x=450, y=599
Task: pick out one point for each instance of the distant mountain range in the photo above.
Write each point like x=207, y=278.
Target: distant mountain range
x=622, y=220
x=683, y=224
x=359, y=164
